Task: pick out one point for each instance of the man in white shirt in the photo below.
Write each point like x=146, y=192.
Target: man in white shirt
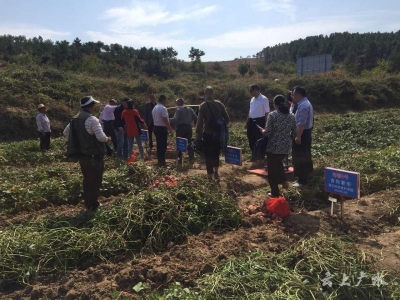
x=86, y=142
x=161, y=128
x=107, y=118
x=43, y=127
x=259, y=109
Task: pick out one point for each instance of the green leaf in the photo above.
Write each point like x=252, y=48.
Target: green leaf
x=138, y=287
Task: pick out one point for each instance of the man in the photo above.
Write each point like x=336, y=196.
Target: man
x=43, y=127
x=148, y=118
x=161, y=128
x=301, y=150
x=119, y=124
x=107, y=118
x=183, y=119
x=86, y=141
x=212, y=146
x=259, y=109
x=201, y=100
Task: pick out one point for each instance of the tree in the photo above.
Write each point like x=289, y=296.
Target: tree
x=196, y=54
x=261, y=69
x=243, y=69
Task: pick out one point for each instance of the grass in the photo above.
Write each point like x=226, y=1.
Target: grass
x=150, y=219
x=298, y=273
x=143, y=219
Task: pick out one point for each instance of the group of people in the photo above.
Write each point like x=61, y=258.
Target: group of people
x=289, y=126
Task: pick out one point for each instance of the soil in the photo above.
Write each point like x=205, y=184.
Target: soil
x=367, y=220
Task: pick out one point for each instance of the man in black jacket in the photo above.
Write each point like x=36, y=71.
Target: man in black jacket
x=148, y=117
x=86, y=141
x=119, y=124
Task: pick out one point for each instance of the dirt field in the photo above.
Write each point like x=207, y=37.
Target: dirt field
x=363, y=220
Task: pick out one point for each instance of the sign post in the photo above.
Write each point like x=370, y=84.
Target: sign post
x=181, y=145
x=145, y=138
x=342, y=183
x=233, y=156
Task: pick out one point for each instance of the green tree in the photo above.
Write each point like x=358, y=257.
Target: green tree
x=243, y=68
x=261, y=69
x=196, y=54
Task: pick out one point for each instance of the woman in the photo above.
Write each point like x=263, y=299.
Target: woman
x=132, y=119
x=43, y=127
x=280, y=130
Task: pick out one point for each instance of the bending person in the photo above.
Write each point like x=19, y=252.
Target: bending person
x=280, y=130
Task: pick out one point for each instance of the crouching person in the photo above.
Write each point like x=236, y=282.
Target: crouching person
x=86, y=142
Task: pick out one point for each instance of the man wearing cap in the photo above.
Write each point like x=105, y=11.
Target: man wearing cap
x=183, y=119
x=43, y=126
x=148, y=117
x=161, y=128
x=107, y=118
x=258, y=113
x=86, y=141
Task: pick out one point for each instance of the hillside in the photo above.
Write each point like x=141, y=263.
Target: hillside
x=356, y=51
x=23, y=88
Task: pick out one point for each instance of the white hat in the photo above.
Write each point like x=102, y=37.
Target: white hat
x=41, y=106
x=87, y=100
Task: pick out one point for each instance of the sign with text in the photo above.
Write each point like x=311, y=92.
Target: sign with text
x=145, y=135
x=341, y=182
x=181, y=144
x=233, y=156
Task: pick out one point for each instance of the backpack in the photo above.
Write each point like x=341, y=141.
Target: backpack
x=220, y=129
x=213, y=123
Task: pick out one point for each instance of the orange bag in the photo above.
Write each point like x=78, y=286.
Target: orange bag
x=278, y=206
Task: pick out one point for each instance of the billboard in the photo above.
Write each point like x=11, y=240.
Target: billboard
x=314, y=64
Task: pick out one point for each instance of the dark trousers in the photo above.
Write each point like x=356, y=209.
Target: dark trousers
x=212, y=149
x=185, y=131
x=92, y=171
x=161, y=134
x=253, y=132
x=151, y=130
x=109, y=131
x=301, y=155
x=276, y=172
x=44, y=141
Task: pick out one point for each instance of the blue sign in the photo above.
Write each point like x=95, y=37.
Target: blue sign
x=233, y=156
x=181, y=144
x=145, y=135
x=341, y=182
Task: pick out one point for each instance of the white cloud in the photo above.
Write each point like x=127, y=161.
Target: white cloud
x=248, y=40
x=30, y=31
x=140, y=14
x=285, y=7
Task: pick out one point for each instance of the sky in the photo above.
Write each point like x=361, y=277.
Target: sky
x=224, y=30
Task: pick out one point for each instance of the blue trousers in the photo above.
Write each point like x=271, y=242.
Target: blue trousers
x=122, y=147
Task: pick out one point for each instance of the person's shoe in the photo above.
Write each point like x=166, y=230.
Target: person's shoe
x=298, y=185
x=285, y=185
x=216, y=176
x=270, y=195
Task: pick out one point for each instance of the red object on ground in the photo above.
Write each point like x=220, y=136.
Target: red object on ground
x=262, y=171
x=278, y=206
x=132, y=159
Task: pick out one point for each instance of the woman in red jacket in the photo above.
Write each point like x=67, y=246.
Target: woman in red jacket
x=132, y=120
